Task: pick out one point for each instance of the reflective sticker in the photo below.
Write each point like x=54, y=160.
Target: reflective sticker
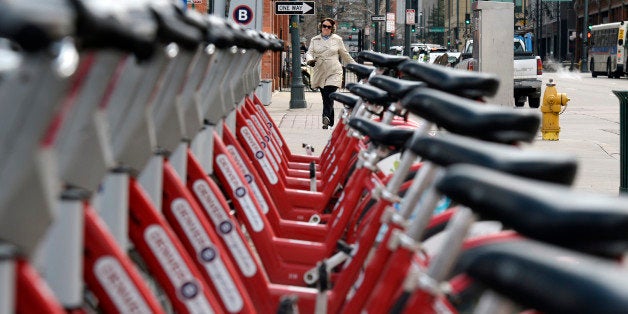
x=118, y=286
x=187, y=287
x=335, y=210
x=207, y=254
x=333, y=174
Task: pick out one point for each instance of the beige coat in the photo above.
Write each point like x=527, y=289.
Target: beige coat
x=327, y=53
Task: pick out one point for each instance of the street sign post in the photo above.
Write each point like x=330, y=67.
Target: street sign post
x=410, y=20
x=378, y=18
x=294, y=7
x=390, y=22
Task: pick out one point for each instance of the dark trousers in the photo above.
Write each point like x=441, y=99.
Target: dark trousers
x=328, y=103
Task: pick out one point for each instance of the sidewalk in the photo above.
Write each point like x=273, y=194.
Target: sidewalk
x=594, y=141
x=304, y=125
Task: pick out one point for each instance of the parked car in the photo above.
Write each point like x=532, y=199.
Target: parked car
x=528, y=69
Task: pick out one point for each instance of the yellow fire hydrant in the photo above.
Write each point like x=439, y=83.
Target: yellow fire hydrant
x=551, y=108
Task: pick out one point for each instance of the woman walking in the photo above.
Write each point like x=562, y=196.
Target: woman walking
x=324, y=54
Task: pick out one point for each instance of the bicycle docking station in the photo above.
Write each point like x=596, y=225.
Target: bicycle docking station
x=142, y=174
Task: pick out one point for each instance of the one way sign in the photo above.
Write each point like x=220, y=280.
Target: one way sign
x=294, y=7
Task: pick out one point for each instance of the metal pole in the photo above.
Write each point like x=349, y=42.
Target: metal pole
x=457, y=25
x=387, y=37
x=406, y=33
x=297, y=98
x=560, y=43
x=585, y=27
x=623, y=140
x=376, y=36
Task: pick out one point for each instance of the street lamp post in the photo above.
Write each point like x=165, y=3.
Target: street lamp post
x=297, y=96
x=585, y=28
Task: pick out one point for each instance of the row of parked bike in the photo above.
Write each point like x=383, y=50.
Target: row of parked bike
x=141, y=174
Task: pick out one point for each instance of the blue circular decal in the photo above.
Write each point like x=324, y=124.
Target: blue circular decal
x=242, y=14
x=189, y=290
x=225, y=227
x=208, y=254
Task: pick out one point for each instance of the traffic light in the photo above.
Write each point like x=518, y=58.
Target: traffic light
x=590, y=27
x=350, y=37
x=392, y=35
x=413, y=29
x=467, y=18
x=353, y=28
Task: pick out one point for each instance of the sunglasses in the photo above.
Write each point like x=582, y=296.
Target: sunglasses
x=327, y=26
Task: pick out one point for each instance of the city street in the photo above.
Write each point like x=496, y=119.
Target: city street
x=589, y=128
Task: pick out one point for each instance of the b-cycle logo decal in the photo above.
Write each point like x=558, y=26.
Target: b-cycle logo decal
x=249, y=178
x=118, y=286
x=258, y=137
x=209, y=201
x=270, y=126
x=266, y=138
x=268, y=170
x=219, y=218
x=243, y=198
x=175, y=268
x=207, y=254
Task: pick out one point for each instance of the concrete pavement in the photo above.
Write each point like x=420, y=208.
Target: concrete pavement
x=592, y=138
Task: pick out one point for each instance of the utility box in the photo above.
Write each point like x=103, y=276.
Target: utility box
x=264, y=91
x=493, y=45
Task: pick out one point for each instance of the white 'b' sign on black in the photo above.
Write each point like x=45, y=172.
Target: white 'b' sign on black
x=294, y=7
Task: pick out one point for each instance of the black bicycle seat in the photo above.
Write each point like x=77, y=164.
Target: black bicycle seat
x=548, y=279
x=346, y=99
x=274, y=44
x=261, y=44
x=218, y=33
x=471, y=118
x=382, y=60
x=361, y=71
x=133, y=29
x=553, y=213
x=382, y=134
x=371, y=94
x=241, y=38
x=449, y=149
x=35, y=26
x=173, y=29
x=460, y=82
x=396, y=88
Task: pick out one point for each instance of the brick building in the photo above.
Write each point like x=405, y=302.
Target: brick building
x=273, y=24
